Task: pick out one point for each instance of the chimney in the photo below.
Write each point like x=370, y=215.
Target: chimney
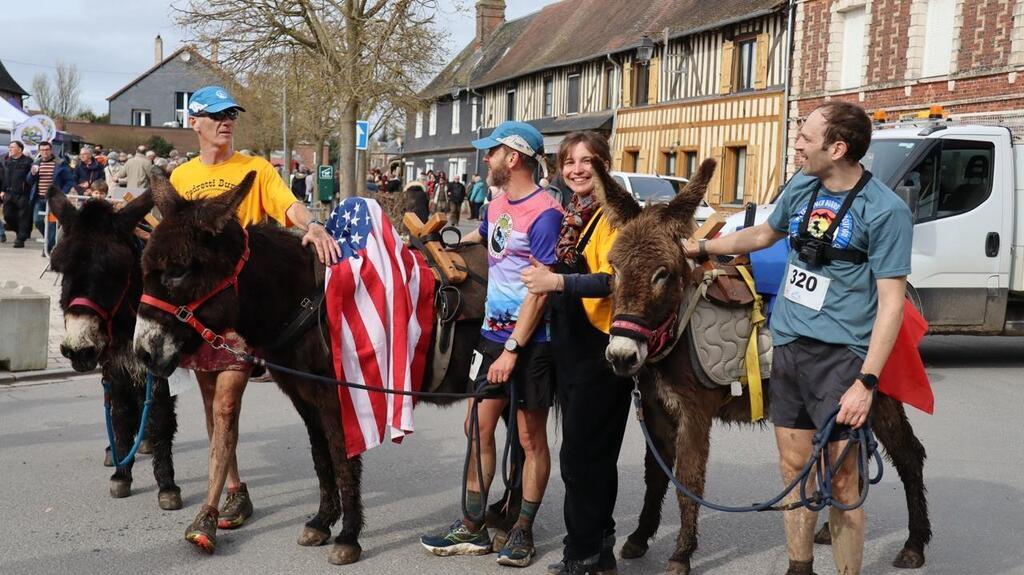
x=158, y=50
x=490, y=14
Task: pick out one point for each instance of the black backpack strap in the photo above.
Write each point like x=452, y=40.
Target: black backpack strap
x=592, y=225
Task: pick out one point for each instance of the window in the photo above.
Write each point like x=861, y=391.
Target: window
x=462, y=167
x=735, y=175
x=651, y=190
x=456, y=120
x=453, y=169
x=433, y=119
x=668, y=164
x=428, y=165
x=609, y=88
x=410, y=171
x=181, y=108
x=746, y=54
x=641, y=80
x=853, y=48
x=474, y=112
x=938, y=38
x=549, y=97
x=141, y=118
x=573, y=94
x=419, y=124
x=689, y=164
x=953, y=179
x=630, y=160
x=510, y=104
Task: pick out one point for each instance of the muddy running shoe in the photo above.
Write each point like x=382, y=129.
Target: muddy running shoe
x=237, y=508
x=518, y=550
x=203, y=531
x=458, y=540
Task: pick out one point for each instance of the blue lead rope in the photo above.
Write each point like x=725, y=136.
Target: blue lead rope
x=817, y=465
x=122, y=463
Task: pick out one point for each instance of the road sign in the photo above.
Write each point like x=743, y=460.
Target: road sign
x=362, y=134
x=325, y=182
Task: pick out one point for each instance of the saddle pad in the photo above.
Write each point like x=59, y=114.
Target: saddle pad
x=718, y=342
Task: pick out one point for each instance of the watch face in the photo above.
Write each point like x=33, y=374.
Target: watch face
x=511, y=345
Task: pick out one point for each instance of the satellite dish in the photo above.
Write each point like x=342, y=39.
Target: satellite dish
x=186, y=56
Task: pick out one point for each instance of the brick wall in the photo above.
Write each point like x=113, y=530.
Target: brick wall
x=887, y=52
x=986, y=34
x=814, y=49
x=126, y=138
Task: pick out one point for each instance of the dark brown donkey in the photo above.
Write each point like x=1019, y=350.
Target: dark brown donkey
x=99, y=260
x=195, y=247
x=651, y=283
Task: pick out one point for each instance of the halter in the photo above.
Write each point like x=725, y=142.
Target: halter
x=636, y=328
x=186, y=313
x=106, y=316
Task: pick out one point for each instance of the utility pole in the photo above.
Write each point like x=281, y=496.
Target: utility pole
x=287, y=163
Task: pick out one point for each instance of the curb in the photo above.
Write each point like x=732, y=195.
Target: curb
x=57, y=373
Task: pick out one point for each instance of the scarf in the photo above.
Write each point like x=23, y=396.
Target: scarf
x=575, y=220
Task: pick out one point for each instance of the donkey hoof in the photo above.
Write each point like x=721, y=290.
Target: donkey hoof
x=170, y=499
x=677, y=568
x=108, y=460
x=909, y=559
x=312, y=537
x=633, y=550
x=823, y=536
x=344, y=553
x=120, y=488
x=146, y=447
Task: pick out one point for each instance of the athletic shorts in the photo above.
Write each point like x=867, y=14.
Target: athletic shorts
x=206, y=358
x=533, y=376
x=808, y=379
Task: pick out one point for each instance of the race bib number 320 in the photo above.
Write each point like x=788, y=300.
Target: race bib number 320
x=805, y=288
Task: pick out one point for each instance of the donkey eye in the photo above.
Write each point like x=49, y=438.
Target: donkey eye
x=175, y=272
x=659, y=276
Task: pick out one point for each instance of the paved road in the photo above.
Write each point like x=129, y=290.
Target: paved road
x=57, y=517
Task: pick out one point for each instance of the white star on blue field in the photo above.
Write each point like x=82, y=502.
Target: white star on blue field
x=350, y=226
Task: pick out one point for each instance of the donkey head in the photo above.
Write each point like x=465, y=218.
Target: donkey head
x=98, y=259
x=651, y=273
x=195, y=247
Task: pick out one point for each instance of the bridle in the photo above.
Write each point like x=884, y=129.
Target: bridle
x=106, y=316
x=636, y=328
x=186, y=313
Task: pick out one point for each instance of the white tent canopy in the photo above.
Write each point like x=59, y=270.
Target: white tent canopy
x=10, y=116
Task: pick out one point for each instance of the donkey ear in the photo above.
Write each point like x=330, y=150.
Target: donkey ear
x=217, y=212
x=65, y=211
x=620, y=206
x=162, y=192
x=683, y=206
x=133, y=212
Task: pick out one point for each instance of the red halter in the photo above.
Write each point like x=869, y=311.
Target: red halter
x=186, y=313
x=634, y=328
x=106, y=316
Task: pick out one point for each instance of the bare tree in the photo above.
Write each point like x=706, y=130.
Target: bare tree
x=367, y=52
x=62, y=99
x=43, y=94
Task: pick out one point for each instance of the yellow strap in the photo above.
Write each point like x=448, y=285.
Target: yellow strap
x=752, y=359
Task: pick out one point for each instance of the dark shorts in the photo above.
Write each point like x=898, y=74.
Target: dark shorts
x=533, y=376
x=808, y=379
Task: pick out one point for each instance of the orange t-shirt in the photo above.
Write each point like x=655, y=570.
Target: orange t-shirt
x=269, y=196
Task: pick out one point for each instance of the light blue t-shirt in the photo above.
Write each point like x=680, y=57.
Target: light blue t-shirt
x=879, y=224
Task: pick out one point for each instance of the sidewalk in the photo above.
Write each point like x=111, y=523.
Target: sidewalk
x=25, y=266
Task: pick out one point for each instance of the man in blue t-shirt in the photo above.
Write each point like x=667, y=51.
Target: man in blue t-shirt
x=839, y=310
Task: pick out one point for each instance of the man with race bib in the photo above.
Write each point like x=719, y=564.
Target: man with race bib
x=838, y=314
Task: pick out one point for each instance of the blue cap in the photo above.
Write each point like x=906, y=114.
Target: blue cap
x=519, y=136
x=210, y=100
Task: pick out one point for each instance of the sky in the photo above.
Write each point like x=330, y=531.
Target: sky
x=113, y=46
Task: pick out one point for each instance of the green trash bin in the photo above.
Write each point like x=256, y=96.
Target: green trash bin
x=325, y=182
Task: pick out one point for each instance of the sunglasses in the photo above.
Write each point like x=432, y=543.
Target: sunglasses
x=229, y=114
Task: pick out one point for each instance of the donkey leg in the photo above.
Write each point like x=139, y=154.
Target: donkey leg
x=348, y=476
x=907, y=455
x=124, y=415
x=663, y=433
x=160, y=430
x=693, y=442
x=318, y=529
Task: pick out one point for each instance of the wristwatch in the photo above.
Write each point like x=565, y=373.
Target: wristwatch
x=868, y=380
x=317, y=222
x=512, y=346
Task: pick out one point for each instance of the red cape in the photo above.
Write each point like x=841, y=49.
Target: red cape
x=903, y=377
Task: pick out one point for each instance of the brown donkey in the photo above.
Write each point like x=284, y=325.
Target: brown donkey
x=651, y=283
x=195, y=247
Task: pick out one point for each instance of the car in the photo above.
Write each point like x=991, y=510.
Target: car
x=655, y=189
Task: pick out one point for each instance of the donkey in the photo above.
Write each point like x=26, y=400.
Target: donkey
x=99, y=260
x=651, y=283
x=196, y=246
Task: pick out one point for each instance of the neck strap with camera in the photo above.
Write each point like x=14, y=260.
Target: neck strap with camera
x=818, y=252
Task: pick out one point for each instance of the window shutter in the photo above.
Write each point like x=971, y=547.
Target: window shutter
x=725, y=85
x=655, y=76
x=750, y=192
x=627, y=85
x=715, y=187
x=761, y=80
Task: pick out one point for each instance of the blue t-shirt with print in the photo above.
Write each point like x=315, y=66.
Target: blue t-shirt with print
x=878, y=224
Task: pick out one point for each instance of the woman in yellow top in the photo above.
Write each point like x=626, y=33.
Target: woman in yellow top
x=595, y=403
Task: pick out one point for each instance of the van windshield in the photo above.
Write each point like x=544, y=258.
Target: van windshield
x=651, y=189
x=886, y=157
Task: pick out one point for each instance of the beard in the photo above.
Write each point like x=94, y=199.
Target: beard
x=499, y=176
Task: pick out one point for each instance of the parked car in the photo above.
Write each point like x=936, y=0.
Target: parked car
x=704, y=211
x=655, y=189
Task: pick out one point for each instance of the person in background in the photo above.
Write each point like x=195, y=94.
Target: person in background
x=16, y=193
x=98, y=190
x=111, y=173
x=299, y=183
x=135, y=171
x=416, y=200
x=48, y=169
x=456, y=195
x=477, y=195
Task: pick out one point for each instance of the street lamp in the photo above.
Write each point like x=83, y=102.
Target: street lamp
x=456, y=90
x=645, y=50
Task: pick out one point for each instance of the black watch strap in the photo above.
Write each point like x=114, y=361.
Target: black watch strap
x=869, y=380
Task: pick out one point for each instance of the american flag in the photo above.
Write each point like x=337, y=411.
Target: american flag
x=380, y=314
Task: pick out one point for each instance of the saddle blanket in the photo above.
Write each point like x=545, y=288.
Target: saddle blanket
x=379, y=301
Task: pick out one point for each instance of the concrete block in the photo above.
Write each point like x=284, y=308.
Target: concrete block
x=24, y=327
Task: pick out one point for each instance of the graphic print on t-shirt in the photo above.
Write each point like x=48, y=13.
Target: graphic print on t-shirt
x=500, y=236
x=824, y=212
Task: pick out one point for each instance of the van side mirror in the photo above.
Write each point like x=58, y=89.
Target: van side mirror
x=909, y=191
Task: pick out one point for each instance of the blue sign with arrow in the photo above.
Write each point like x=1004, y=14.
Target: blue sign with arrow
x=362, y=134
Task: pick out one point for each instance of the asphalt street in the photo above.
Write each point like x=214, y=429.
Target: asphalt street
x=58, y=518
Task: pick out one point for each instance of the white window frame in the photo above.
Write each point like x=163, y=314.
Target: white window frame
x=938, y=38
x=549, y=97
x=433, y=119
x=474, y=112
x=511, y=91
x=428, y=165
x=181, y=114
x=419, y=124
x=410, y=171
x=453, y=168
x=851, y=68
x=145, y=117
x=579, y=93
x=463, y=164
x=456, y=119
